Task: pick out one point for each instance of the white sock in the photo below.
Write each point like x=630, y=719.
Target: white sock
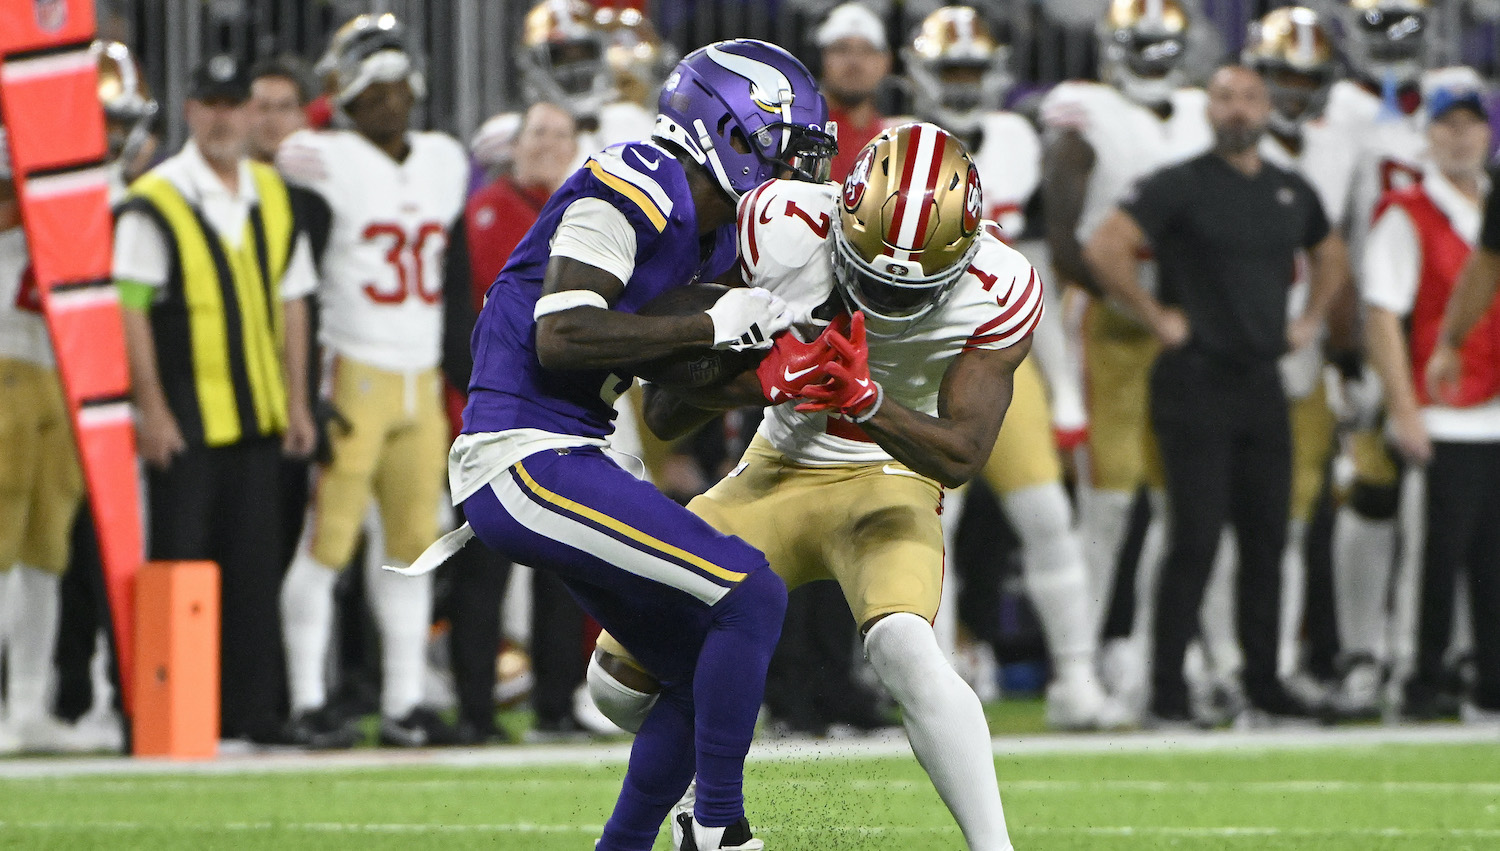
x=1401, y=637
x=1056, y=579
x=1216, y=615
x=307, y=628
x=33, y=636
x=403, y=611
x=1293, y=599
x=1364, y=552
x=945, y=724
x=1104, y=516
x=625, y=707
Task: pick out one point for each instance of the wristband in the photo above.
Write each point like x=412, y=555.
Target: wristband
x=873, y=409
x=567, y=300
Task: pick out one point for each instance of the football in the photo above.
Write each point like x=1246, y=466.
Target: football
x=693, y=368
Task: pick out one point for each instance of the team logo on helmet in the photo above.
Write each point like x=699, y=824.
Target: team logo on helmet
x=769, y=88
x=854, y=186
x=51, y=15
x=973, y=201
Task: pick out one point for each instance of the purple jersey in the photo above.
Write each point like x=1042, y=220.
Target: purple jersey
x=509, y=388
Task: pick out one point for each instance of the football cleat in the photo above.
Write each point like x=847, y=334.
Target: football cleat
x=736, y=837
x=1357, y=697
x=682, y=808
x=321, y=729
x=1080, y=703
x=421, y=728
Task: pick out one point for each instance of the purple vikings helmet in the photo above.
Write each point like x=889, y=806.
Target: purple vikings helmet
x=747, y=95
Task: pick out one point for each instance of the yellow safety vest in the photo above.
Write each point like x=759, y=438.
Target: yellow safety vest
x=218, y=329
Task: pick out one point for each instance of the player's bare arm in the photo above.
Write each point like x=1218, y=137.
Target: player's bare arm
x=952, y=446
x=1067, y=163
x=1329, y=268
x=591, y=336
x=1112, y=254
x=1472, y=296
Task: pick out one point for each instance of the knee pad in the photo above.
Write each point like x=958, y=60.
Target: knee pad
x=1375, y=502
x=621, y=704
x=903, y=650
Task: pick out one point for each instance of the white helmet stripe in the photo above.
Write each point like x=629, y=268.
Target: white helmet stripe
x=769, y=88
x=918, y=179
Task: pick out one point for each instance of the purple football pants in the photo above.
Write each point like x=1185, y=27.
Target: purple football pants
x=701, y=610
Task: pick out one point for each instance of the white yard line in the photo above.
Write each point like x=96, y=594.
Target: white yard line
x=769, y=830
x=784, y=750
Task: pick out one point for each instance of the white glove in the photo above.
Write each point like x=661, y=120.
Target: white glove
x=747, y=318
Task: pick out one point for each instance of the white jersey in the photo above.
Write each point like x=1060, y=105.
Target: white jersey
x=1009, y=159
x=1327, y=162
x=786, y=248
x=23, y=330
x=1129, y=140
x=382, y=273
x=621, y=121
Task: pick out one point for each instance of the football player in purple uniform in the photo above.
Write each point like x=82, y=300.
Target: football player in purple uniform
x=553, y=349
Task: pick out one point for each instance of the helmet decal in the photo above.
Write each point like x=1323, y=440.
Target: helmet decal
x=769, y=88
x=854, y=185
x=973, y=201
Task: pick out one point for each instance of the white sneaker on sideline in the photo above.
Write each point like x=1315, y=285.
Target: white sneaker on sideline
x=1080, y=703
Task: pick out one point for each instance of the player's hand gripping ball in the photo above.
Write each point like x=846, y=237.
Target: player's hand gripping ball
x=845, y=388
x=695, y=368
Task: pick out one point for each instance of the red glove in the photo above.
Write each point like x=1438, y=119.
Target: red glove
x=792, y=366
x=848, y=389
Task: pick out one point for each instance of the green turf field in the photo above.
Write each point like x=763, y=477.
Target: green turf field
x=1391, y=796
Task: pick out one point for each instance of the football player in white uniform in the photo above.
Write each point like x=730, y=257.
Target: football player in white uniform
x=845, y=479
x=40, y=488
x=1098, y=139
x=959, y=78
x=391, y=196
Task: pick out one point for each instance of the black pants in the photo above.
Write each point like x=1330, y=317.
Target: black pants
x=474, y=597
x=1463, y=530
x=559, y=661
x=224, y=505
x=1226, y=449
x=83, y=611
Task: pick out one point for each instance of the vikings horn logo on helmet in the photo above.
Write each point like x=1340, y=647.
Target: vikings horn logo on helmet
x=769, y=88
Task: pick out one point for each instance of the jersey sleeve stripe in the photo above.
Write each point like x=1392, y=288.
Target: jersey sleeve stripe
x=1029, y=296
x=653, y=212
x=1009, y=338
x=747, y=223
x=615, y=164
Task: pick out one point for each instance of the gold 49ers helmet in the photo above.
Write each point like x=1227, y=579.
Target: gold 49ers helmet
x=1142, y=46
x=908, y=224
x=1293, y=50
x=128, y=105
x=369, y=49
x=958, y=69
x=637, y=56
x=562, y=58
x=1388, y=39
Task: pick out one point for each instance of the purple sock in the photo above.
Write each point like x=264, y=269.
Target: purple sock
x=661, y=766
x=728, y=686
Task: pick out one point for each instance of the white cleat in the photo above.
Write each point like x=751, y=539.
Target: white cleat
x=1080, y=703
x=9, y=742
x=683, y=807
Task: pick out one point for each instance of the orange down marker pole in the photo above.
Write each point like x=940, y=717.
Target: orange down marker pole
x=50, y=104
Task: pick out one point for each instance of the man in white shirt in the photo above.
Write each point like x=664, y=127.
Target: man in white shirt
x=1421, y=239
x=213, y=272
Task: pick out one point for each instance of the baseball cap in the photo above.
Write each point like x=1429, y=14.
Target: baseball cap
x=222, y=77
x=851, y=20
x=1451, y=88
